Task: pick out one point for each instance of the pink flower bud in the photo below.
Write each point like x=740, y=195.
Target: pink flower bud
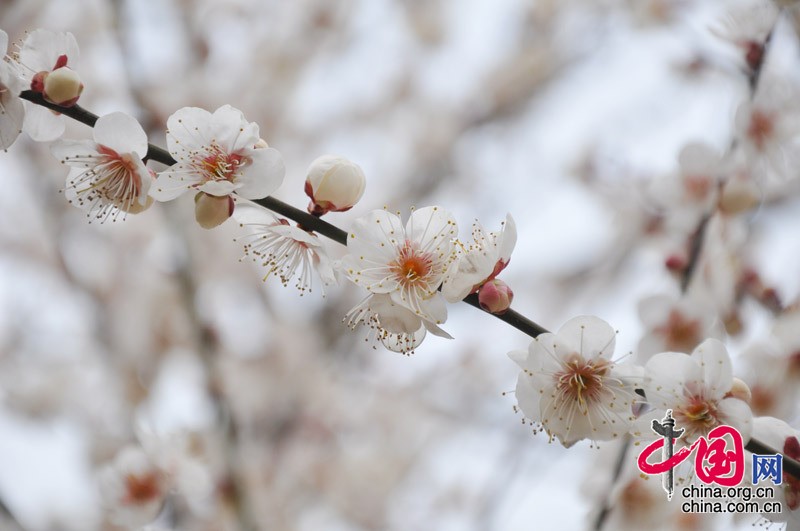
x=211, y=210
x=495, y=297
x=62, y=86
x=334, y=184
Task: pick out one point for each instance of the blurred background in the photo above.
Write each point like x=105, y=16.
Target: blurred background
x=558, y=112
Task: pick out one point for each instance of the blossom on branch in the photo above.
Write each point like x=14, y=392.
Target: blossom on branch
x=408, y=264
x=699, y=389
x=334, y=184
x=286, y=251
x=481, y=261
x=570, y=385
x=46, y=61
x=218, y=154
x=107, y=176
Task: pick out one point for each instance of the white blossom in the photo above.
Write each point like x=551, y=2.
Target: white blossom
x=12, y=111
x=408, y=264
x=218, y=154
x=570, y=385
x=107, y=176
x=480, y=261
x=698, y=388
x=284, y=250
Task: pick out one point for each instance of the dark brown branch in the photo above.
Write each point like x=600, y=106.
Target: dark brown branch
x=336, y=234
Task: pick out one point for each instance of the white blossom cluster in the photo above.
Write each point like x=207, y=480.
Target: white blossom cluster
x=572, y=386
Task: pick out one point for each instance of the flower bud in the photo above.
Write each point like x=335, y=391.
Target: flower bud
x=334, y=184
x=211, y=210
x=495, y=297
x=62, y=86
x=738, y=196
x=740, y=390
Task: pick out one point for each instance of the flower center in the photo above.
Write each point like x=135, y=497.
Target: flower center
x=762, y=126
x=697, y=186
x=681, y=334
x=701, y=414
x=412, y=265
x=219, y=165
x=141, y=489
x=582, y=381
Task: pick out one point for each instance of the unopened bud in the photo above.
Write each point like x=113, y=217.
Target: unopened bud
x=334, y=184
x=62, y=86
x=211, y=210
x=495, y=297
x=738, y=196
x=740, y=390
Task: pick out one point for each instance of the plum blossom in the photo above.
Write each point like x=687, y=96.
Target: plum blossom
x=768, y=126
x=283, y=250
x=43, y=53
x=480, y=261
x=699, y=389
x=408, y=264
x=747, y=27
x=396, y=327
x=694, y=191
x=107, y=176
x=218, y=154
x=133, y=487
x=12, y=111
x=675, y=324
x=570, y=385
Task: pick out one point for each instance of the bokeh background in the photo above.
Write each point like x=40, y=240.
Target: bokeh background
x=558, y=112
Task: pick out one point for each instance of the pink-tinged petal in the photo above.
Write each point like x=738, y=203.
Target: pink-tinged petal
x=73, y=152
x=713, y=357
x=263, y=175
x=433, y=227
x=188, y=132
x=218, y=188
x=173, y=182
x=11, y=119
x=508, y=239
x=590, y=336
x=42, y=124
x=232, y=131
x=120, y=132
x=145, y=178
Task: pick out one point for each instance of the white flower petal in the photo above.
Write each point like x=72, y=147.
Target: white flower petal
x=713, y=357
x=590, y=336
x=173, y=182
x=11, y=119
x=120, y=132
x=187, y=132
x=218, y=188
x=42, y=124
x=433, y=227
x=263, y=175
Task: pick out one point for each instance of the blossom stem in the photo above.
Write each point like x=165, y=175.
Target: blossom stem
x=511, y=317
